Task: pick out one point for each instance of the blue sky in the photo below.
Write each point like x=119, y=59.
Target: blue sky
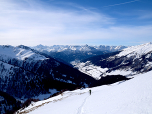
x=75, y=22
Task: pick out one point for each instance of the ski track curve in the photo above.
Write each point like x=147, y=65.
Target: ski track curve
x=80, y=109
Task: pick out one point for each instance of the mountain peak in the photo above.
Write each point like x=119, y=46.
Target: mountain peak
x=86, y=45
x=40, y=45
x=24, y=47
x=139, y=49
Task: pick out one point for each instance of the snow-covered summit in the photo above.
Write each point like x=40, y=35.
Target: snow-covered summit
x=138, y=50
x=19, y=52
x=68, y=53
x=60, y=48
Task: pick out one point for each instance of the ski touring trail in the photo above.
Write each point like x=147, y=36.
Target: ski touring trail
x=81, y=108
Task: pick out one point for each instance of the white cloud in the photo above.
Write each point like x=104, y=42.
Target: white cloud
x=30, y=23
x=19, y=21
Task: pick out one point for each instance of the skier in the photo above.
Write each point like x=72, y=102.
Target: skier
x=90, y=91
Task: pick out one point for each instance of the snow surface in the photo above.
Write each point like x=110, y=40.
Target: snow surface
x=120, y=72
x=90, y=69
x=130, y=97
x=15, y=52
x=138, y=50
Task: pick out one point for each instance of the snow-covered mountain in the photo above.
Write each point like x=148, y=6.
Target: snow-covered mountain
x=129, y=61
x=70, y=53
x=26, y=73
x=60, y=48
x=128, y=97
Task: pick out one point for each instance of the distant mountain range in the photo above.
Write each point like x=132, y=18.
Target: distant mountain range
x=68, y=53
x=130, y=61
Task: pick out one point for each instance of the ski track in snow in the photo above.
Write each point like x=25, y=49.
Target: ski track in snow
x=80, y=109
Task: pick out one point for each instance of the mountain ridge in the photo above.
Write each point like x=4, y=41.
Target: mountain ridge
x=59, y=48
x=22, y=63
x=129, y=61
x=69, y=53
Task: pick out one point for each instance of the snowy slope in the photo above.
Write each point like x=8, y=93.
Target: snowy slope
x=138, y=50
x=130, y=97
x=128, y=62
x=89, y=69
x=19, y=53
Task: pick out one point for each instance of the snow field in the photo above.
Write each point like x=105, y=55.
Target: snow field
x=58, y=101
x=120, y=72
x=90, y=69
x=19, y=53
x=138, y=50
x=130, y=97
x=126, y=98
